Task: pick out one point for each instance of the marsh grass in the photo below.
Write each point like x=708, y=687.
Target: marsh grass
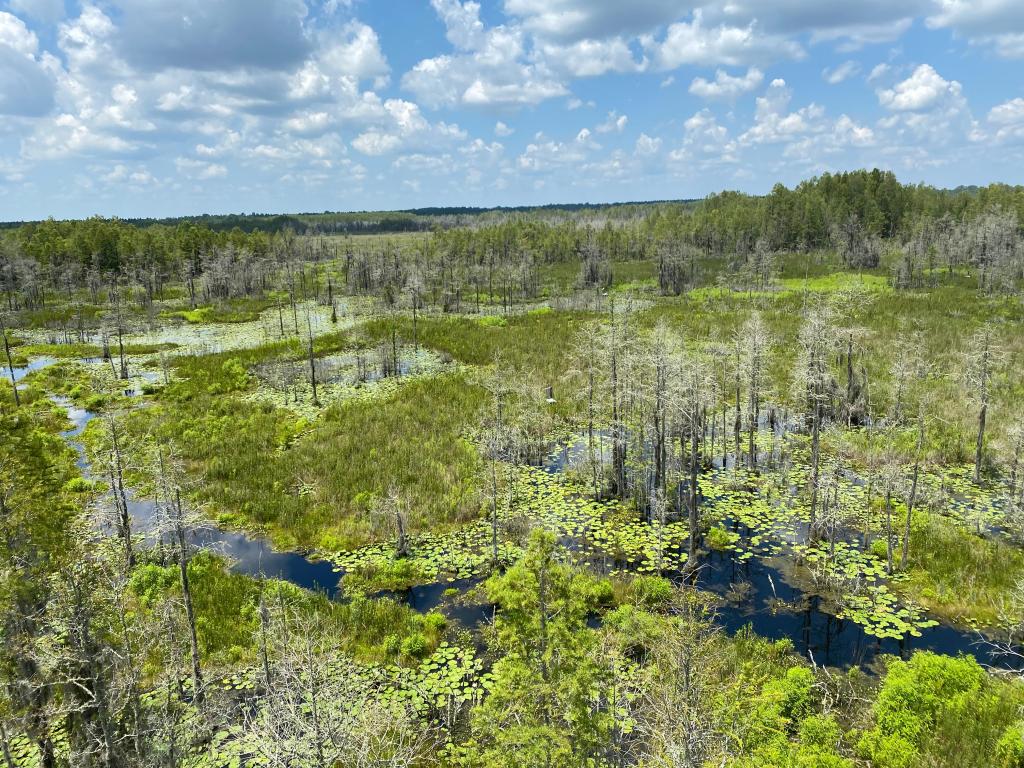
x=313, y=484
x=227, y=612
x=957, y=574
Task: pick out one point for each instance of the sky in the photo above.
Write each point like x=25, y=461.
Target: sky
x=181, y=107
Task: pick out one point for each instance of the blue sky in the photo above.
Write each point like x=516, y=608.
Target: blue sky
x=161, y=107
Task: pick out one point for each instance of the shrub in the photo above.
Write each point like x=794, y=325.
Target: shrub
x=415, y=646
x=1010, y=748
x=651, y=591
x=719, y=538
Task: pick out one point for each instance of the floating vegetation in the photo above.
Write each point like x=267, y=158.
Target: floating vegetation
x=340, y=378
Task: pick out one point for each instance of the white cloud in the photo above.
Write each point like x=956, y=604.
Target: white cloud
x=590, y=58
x=1008, y=113
x=878, y=71
x=26, y=87
x=773, y=123
x=462, y=21
x=199, y=169
x=694, y=43
x=14, y=34
x=353, y=53
x=614, y=123
x=308, y=122
x=405, y=127
x=646, y=146
x=706, y=143
x=726, y=86
x=847, y=131
x=493, y=74
x=68, y=136
x=502, y=130
x=998, y=23
x=543, y=154
x=1008, y=119
x=927, y=109
x=924, y=89
x=843, y=72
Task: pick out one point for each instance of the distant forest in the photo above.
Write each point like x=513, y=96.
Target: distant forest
x=857, y=213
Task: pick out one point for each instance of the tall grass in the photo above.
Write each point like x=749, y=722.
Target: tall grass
x=956, y=573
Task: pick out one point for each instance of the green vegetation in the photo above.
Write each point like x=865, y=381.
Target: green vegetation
x=520, y=476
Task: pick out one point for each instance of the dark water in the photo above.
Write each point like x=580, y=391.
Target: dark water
x=430, y=597
x=758, y=595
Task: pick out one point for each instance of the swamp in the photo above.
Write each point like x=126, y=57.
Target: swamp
x=735, y=482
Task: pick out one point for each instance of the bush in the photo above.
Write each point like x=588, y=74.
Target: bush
x=719, y=538
x=939, y=710
x=1010, y=749
x=651, y=591
x=492, y=321
x=415, y=646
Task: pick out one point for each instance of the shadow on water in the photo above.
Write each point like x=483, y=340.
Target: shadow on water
x=755, y=593
x=446, y=597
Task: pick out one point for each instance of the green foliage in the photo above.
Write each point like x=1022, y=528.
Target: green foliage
x=492, y=321
x=720, y=539
x=958, y=573
x=1010, y=748
x=938, y=710
x=539, y=711
x=651, y=592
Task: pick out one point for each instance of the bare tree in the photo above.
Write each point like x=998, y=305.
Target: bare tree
x=981, y=359
x=10, y=362
x=321, y=714
x=676, y=715
x=815, y=383
x=756, y=345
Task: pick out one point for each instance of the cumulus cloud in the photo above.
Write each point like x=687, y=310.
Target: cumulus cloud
x=613, y=123
x=199, y=91
x=199, y=169
x=1008, y=120
x=406, y=127
x=544, y=154
x=924, y=89
x=1008, y=112
x=590, y=58
x=693, y=42
x=491, y=71
x=28, y=89
x=774, y=123
x=927, y=109
x=647, y=146
x=725, y=86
